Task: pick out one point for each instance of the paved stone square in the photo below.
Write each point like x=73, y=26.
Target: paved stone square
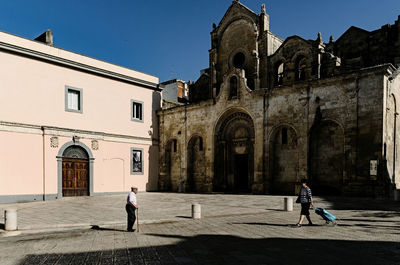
x=236, y=229
x=158, y=207
x=266, y=238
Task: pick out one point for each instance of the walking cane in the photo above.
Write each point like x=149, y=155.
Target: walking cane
x=137, y=223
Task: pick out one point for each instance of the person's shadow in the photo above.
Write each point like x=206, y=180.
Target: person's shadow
x=96, y=227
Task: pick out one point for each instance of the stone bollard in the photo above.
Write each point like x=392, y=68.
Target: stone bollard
x=196, y=211
x=288, y=204
x=10, y=220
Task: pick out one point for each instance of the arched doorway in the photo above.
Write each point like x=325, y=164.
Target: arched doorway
x=196, y=165
x=283, y=160
x=326, y=158
x=75, y=172
x=173, y=179
x=234, y=153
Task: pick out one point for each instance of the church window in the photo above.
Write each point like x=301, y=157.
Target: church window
x=301, y=68
x=200, y=144
x=239, y=60
x=279, y=73
x=233, y=87
x=284, y=136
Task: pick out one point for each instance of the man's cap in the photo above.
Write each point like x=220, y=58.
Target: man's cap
x=134, y=188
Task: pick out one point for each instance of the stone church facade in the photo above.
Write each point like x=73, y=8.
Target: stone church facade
x=269, y=112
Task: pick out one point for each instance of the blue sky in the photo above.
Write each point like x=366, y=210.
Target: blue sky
x=171, y=38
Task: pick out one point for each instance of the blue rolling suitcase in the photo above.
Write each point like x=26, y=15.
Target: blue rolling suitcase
x=327, y=216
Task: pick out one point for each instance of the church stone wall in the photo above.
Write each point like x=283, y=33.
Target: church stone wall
x=321, y=115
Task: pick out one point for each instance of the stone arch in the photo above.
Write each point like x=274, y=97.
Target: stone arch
x=173, y=179
x=326, y=160
x=227, y=24
x=284, y=160
x=74, y=149
x=196, y=168
x=239, y=37
x=234, y=152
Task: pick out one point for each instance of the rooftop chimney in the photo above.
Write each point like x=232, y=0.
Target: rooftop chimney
x=46, y=37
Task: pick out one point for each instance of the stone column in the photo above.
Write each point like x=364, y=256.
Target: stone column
x=196, y=211
x=288, y=204
x=10, y=220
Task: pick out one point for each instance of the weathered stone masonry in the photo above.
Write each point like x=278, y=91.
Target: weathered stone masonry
x=268, y=112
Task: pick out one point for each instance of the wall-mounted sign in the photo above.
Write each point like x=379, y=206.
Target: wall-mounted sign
x=373, y=168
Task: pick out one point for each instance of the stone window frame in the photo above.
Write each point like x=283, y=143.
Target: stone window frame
x=284, y=136
x=80, y=90
x=131, y=161
x=235, y=52
x=133, y=101
x=278, y=76
x=301, y=65
x=233, y=86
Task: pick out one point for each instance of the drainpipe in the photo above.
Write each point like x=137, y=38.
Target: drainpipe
x=265, y=106
x=44, y=162
x=357, y=126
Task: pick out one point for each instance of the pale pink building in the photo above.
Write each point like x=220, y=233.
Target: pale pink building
x=71, y=125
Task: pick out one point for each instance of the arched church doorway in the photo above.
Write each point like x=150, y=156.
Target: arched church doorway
x=234, y=153
x=75, y=172
x=173, y=179
x=196, y=165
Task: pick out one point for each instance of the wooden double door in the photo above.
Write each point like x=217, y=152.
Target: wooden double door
x=75, y=177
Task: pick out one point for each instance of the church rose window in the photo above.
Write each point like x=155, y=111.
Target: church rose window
x=239, y=60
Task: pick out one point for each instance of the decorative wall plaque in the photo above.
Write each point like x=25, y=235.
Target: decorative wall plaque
x=95, y=145
x=75, y=139
x=54, y=142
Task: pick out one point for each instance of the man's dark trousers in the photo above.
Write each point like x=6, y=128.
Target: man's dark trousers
x=130, y=210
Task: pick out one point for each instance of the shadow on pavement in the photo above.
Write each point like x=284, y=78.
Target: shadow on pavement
x=351, y=203
x=96, y=227
x=279, y=225
x=184, y=217
x=276, y=210
x=371, y=226
x=226, y=249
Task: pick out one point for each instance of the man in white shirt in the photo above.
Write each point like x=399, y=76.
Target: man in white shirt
x=131, y=206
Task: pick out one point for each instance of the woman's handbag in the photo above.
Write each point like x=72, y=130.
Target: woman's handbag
x=298, y=199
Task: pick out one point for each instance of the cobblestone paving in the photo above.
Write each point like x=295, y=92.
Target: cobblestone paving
x=362, y=236
x=110, y=210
